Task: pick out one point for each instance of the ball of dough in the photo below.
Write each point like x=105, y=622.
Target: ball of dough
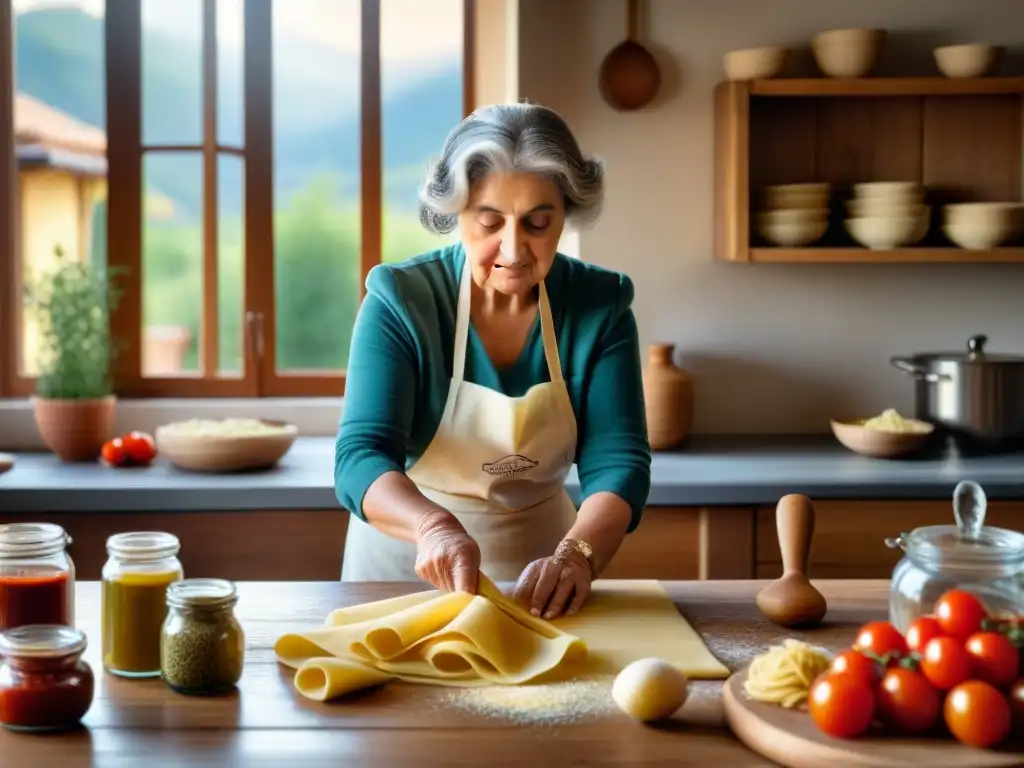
x=650, y=689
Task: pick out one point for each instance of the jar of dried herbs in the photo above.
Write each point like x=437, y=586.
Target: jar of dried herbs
x=202, y=645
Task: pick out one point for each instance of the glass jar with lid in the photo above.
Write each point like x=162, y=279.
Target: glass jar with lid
x=202, y=648
x=983, y=560
x=45, y=684
x=37, y=576
x=140, y=567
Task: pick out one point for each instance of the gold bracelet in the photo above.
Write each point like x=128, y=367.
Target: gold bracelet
x=568, y=546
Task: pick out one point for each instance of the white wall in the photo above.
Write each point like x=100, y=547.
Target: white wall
x=774, y=348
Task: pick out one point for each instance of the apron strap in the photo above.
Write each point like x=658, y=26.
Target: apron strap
x=547, y=334
x=547, y=331
x=461, y=327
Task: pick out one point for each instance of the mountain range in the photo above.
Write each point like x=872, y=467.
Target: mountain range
x=60, y=61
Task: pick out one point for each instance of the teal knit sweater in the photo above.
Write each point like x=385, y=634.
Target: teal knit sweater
x=400, y=365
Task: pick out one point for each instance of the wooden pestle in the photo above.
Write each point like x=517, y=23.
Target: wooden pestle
x=792, y=601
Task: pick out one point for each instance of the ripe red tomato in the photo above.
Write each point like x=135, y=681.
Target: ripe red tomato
x=841, y=705
x=1017, y=705
x=140, y=448
x=856, y=663
x=945, y=662
x=880, y=638
x=977, y=714
x=994, y=659
x=114, y=453
x=907, y=702
x=960, y=613
x=921, y=630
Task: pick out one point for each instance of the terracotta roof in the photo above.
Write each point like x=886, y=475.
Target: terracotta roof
x=41, y=125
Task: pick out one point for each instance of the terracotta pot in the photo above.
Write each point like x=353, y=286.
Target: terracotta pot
x=75, y=430
x=668, y=393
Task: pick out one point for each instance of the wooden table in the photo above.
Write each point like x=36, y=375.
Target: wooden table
x=268, y=723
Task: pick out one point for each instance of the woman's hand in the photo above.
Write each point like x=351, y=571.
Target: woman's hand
x=555, y=585
x=447, y=556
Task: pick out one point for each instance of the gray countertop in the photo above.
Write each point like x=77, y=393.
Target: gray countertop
x=711, y=471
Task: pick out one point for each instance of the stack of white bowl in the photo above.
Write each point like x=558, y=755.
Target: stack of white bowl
x=981, y=226
x=883, y=215
x=794, y=215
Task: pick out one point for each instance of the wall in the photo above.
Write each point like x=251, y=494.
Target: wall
x=56, y=209
x=774, y=348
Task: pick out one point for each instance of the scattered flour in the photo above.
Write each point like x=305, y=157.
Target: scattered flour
x=560, y=703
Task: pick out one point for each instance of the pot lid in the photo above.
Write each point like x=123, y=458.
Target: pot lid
x=975, y=353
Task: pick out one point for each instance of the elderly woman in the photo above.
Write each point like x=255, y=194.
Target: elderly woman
x=481, y=371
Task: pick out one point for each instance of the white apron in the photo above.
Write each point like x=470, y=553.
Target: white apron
x=497, y=463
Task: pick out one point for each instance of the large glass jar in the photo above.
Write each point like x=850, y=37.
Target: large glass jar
x=983, y=560
x=45, y=684
x=37, y=576
x=140, y=567
x=202, y=648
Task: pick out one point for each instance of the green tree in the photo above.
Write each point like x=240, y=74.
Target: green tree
x=316, y=273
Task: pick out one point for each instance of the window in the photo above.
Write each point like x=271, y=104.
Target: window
x=243, y=162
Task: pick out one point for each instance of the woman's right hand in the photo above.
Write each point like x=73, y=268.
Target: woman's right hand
x=447, y=556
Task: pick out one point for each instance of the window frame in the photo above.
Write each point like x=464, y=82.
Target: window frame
x=125, y=153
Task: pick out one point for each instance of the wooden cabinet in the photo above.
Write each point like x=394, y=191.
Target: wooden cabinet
x=849, y=536
x=672, y=543
x=688, y=543
x=961, y=138
x=287, y=545
x=307, y=545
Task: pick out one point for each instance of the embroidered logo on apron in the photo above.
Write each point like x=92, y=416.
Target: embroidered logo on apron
x=508, y=466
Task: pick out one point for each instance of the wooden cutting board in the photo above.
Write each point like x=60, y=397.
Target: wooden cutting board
x=791, y=739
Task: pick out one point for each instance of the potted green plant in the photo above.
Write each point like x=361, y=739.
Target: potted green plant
x=74, y=401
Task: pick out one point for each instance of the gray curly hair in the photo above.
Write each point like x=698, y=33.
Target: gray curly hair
x=510, y=138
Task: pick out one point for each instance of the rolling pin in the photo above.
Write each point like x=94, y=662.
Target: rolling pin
x=792, y=601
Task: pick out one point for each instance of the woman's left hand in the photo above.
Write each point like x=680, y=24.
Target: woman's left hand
x=555, y=585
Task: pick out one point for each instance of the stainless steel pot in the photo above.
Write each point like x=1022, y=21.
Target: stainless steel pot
x=974, y=397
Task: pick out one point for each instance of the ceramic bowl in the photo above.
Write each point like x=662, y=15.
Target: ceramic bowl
x=884, y=233
x=793, y=228
x=848, y=52
x=225, y=452
x=878, y=444
x=806, y=195
x=754, y=63
x=980, y=226
x=968, y=60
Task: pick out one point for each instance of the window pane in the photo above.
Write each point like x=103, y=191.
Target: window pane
x=172, y=263
x=230, y=65
x=316, y=181
x=60, y=142
x=421, y=83
x=230, y=262
x=172, y=71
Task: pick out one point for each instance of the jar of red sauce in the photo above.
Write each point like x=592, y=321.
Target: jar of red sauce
x=45, y=684
x=37, y=576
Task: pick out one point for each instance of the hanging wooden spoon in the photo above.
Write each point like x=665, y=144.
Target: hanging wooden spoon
x=630, y=77
x=792, y=601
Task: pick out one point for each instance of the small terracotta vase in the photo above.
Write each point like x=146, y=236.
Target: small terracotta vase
x=668, y=394
x=75, y=430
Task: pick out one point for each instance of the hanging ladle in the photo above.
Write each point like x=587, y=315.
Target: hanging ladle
x=630, y=77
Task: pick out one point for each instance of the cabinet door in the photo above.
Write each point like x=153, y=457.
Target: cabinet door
x=682, y=543
x=849, y=536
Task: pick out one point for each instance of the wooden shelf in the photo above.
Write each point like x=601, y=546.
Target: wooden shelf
x=898, y=256
x=886, y=86
x=960, y=138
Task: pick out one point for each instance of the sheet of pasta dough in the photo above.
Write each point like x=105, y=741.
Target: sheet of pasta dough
x=459, y=639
